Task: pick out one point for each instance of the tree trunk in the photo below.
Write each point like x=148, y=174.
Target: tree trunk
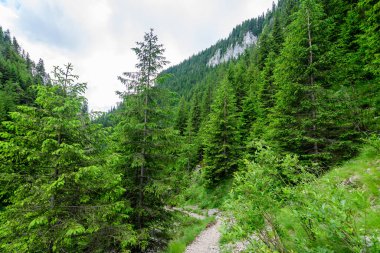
x=52, y=198
x=143, y=169
x=311, y=82
x=225, y=128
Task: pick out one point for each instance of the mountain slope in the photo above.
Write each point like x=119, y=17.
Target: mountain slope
x=17, y=74
x=335, y=213
x=193, y=70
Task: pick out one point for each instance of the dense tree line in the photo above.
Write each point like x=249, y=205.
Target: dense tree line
x=17, y=74
x=308, y=87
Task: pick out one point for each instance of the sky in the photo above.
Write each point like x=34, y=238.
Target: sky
x=96, y=36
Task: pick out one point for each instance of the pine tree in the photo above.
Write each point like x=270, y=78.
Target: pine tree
x=7, y=37
x=303, y=113
x=277, y=35
x=40, y=67
x=222, y=137
x=206, y=100
x=237, y=77
x=40, y=72
x=368, y=55
x=59, y=199
x=264, y=47
x=182, y=116
x=195, y=114
x=146, y=136
x=250, y=107
x=16, y=45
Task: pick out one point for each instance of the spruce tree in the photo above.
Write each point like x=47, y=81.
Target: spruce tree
x=182, y=116
x=145, y=136
x=195, y=114
x=59, y=199
x=300, y=118
x=369, y=56
x=222, y=137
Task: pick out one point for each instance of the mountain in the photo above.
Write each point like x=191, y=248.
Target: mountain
x=195, y=68
x=233, y=51
x=18, y=73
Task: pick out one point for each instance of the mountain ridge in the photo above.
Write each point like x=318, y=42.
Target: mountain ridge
x=242, y=37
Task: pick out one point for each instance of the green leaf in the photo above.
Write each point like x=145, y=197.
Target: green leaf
x=42, y=220
x=75, y=229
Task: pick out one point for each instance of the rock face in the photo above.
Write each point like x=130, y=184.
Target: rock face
x=233, y=51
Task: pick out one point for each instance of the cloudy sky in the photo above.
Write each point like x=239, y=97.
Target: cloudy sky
x=97, y=35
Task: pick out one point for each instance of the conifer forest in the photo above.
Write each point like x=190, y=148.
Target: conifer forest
x=271, y=137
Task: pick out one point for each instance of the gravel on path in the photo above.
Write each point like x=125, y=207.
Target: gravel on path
x=207, y=241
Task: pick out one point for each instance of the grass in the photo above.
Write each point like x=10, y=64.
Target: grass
x=343, y=207
x=206, y=198
x=338, y=212
x=185, y=230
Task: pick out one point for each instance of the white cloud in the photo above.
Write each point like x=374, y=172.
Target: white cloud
x=96, y=35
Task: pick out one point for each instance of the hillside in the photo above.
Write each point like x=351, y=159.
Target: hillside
x=17, y=74
x=195, y=69
x=335, y=213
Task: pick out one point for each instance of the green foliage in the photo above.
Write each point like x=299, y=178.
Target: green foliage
x=59, y=199
x=185, y=231
x=145, y=143
x=221, y=138
x=182, y=116
x=196, y=191
x=309, y=118
x=336, y=213
x=16, y=78
x=333, y=214
x=263, y=188
x=374, y=142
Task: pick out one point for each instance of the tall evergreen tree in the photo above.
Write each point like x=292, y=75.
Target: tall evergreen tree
x=195, y=114
x=182, y=116
x=59, y=199
x=304, y=111
x=146, y=137
x=16, y=45
x=40, y=72
x=222, y=137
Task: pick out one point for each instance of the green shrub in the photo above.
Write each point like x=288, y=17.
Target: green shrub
x=286, y=209
x=259, y=191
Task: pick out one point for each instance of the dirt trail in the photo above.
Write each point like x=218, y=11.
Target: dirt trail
x=207, y=241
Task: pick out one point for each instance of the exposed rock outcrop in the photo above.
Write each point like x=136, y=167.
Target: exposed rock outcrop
x=233, y=51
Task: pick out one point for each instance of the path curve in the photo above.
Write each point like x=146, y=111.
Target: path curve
x=207, y=241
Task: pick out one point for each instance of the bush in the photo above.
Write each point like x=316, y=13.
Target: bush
x=259, y=191
x=279, y=207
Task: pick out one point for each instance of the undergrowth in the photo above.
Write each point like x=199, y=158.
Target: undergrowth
x=335, y=213
x=184, y=231
x=197, y=193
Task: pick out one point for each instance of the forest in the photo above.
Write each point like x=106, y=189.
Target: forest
x=283, y=141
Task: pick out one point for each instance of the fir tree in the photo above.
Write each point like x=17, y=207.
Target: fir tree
x=182, y=116
x=146, y=136
x=40, y=72
x=297, y=115
x=61, y=200
x=195, y=114
x=222, y=138
x=16, y=45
